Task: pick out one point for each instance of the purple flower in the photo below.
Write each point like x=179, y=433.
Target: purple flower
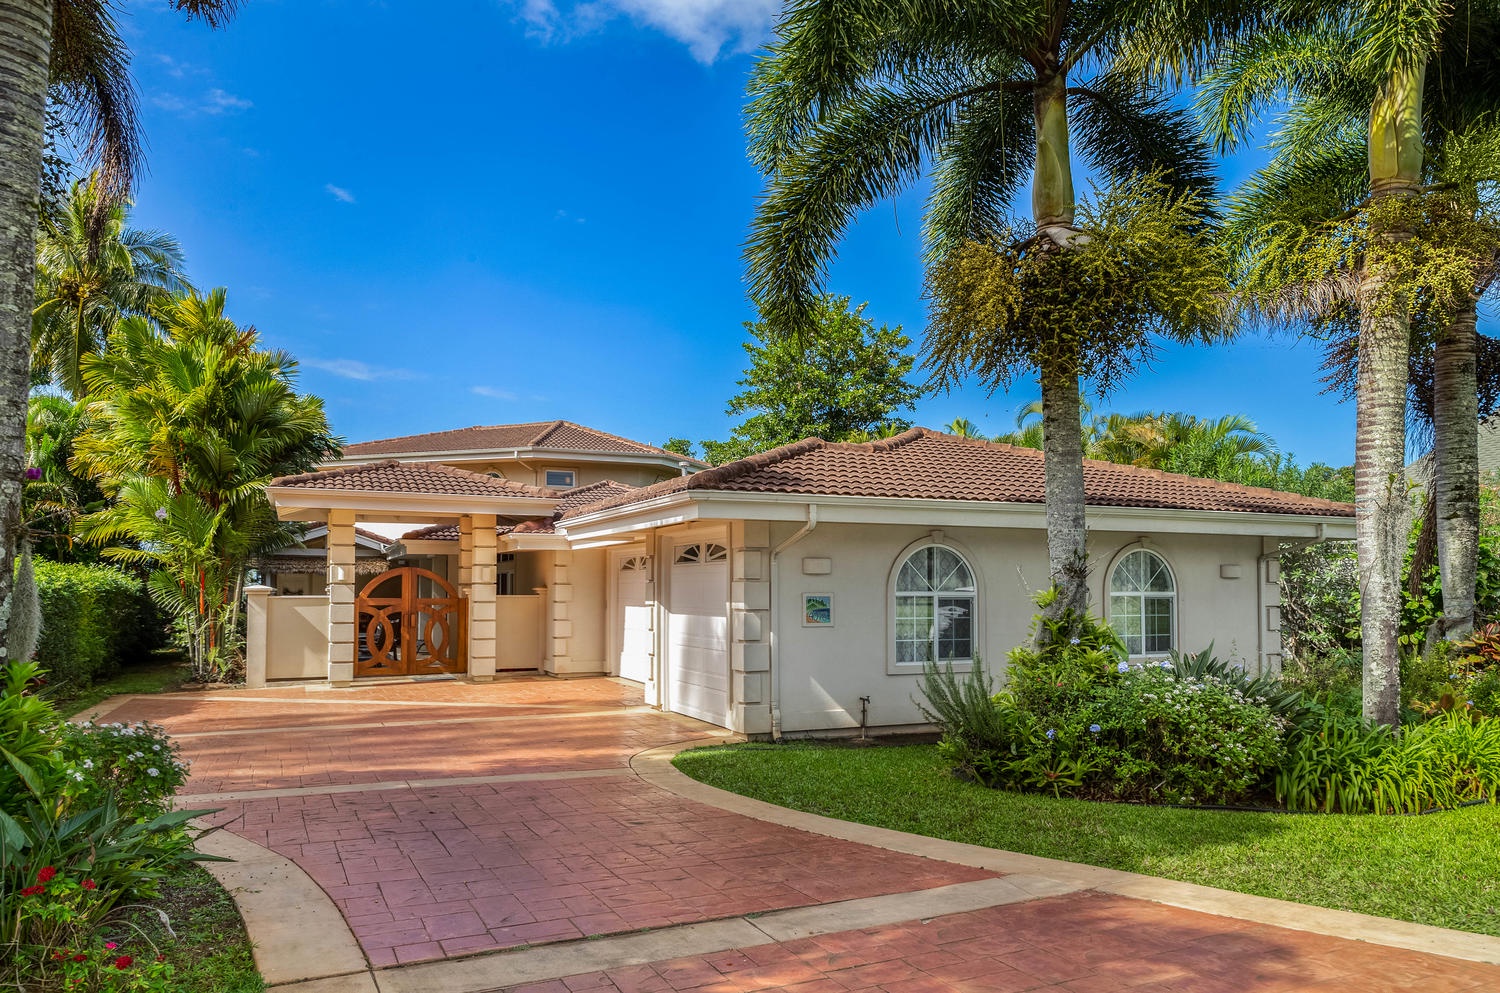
x=1165, y=664
x=161, y=513
x=1123, y=667
x=33, y=474
x=1095, y=728
x=1051, y=733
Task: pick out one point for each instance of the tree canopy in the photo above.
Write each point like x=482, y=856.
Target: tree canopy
x=845, y=381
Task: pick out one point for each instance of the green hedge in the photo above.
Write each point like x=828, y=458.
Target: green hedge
x=93, y=618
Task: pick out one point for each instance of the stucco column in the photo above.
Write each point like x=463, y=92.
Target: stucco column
x=481, y=593
x=341, y=621
x=750, y=631
x=559, y=629
x=257, y=603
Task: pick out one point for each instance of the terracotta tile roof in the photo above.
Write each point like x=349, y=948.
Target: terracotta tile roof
x=555, y=435
x=411, y=477
x=922, y=464
x=582, y=496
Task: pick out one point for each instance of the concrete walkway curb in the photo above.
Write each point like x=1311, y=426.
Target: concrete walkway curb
x=654, y=765
x=295, y=928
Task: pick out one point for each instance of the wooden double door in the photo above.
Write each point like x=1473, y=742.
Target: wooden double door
x=409, y=622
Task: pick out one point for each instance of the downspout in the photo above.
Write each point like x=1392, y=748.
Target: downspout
x=807, y=529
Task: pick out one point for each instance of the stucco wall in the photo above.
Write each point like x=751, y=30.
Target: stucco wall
x=589, y=621
x=296, y=637
x=824, y=671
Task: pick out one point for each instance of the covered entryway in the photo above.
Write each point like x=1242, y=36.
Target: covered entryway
x=631, y=639
x=698, y=631
x=410, y=622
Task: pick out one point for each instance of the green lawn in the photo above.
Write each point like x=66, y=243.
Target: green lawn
x=211, y=950
x=162, y=673
x=1441, y=869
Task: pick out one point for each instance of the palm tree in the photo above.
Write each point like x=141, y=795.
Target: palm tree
x=856, y=97
x=965, y=428
x=55, y=495
x=185, y=431
x=89, y=275
x=1332, y=231
x=71, y=52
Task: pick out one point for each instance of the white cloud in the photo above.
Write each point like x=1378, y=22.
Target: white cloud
x=220, y=102
x=357, y=370
x=492, y=393
x=707, y=27
x=215, y=101
x=339, y=193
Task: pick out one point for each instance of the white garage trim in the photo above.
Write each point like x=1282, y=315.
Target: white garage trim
x=630, y=609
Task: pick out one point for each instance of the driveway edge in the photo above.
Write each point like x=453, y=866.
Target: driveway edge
x=295, y=928
x=654, y=765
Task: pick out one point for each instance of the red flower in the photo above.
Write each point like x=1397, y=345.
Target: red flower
x=57, y=956
x=89, y=884
x=33, y=890
x=46, y=875
x=123, y=962
x=79, y=957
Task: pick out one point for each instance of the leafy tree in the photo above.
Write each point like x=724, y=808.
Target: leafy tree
x=71, y=52
x=844, y=381
x=184, y=432
x=91, y=271
x=1326, y=241
x=856, y=98
x=679, y=445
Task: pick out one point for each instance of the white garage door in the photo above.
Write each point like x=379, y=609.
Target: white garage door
x=632, y=618
x=698, y=632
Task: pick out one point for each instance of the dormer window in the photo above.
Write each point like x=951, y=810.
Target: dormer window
x=559, y=479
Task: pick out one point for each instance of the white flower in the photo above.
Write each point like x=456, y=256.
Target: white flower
x=152, y=772
x=156, y=748
x=88, y=763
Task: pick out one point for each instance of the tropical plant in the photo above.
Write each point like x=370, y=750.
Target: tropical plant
x=92, y=270
x=852, y=101
x=184, y=432
x=66, y=54
x=1341, y=232
x=55, y=495
x=845, y=381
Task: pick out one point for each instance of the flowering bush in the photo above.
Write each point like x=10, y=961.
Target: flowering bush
x=137, y=765
x=1165, y=736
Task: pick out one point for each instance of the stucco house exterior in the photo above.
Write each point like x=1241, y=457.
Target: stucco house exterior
x=795, y=592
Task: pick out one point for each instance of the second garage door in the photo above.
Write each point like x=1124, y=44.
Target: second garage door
x=698, y=632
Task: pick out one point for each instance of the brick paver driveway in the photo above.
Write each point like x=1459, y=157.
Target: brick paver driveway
x=446, y=819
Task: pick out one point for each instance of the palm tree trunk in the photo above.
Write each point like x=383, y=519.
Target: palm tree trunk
x=25, y=50
x=1455, y=421
x=1052, y=204
x=1395, y=152
x=1054, y=211
x=1062, y=457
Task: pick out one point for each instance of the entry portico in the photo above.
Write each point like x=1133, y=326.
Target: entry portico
x=384, y=636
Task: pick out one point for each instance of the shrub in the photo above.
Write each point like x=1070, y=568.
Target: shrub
x=136, y=766
x=1055, y=679
x=93, y=618
x=1352, y=768
x=1157, y=734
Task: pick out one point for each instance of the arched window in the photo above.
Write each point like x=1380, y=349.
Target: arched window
x=1143, y=603
x=935, y=596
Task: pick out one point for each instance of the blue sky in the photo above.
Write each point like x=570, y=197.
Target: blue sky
x=555, y=191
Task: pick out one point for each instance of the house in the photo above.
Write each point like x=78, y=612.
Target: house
x=798, y=591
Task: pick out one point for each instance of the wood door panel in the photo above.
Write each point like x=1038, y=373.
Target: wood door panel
x=401, y=633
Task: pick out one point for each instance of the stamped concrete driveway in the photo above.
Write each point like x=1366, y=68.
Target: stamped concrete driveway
x=447, y=819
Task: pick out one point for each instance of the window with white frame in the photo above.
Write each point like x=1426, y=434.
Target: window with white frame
x=559, y=479
x=935, y=606
x=1143, y=603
